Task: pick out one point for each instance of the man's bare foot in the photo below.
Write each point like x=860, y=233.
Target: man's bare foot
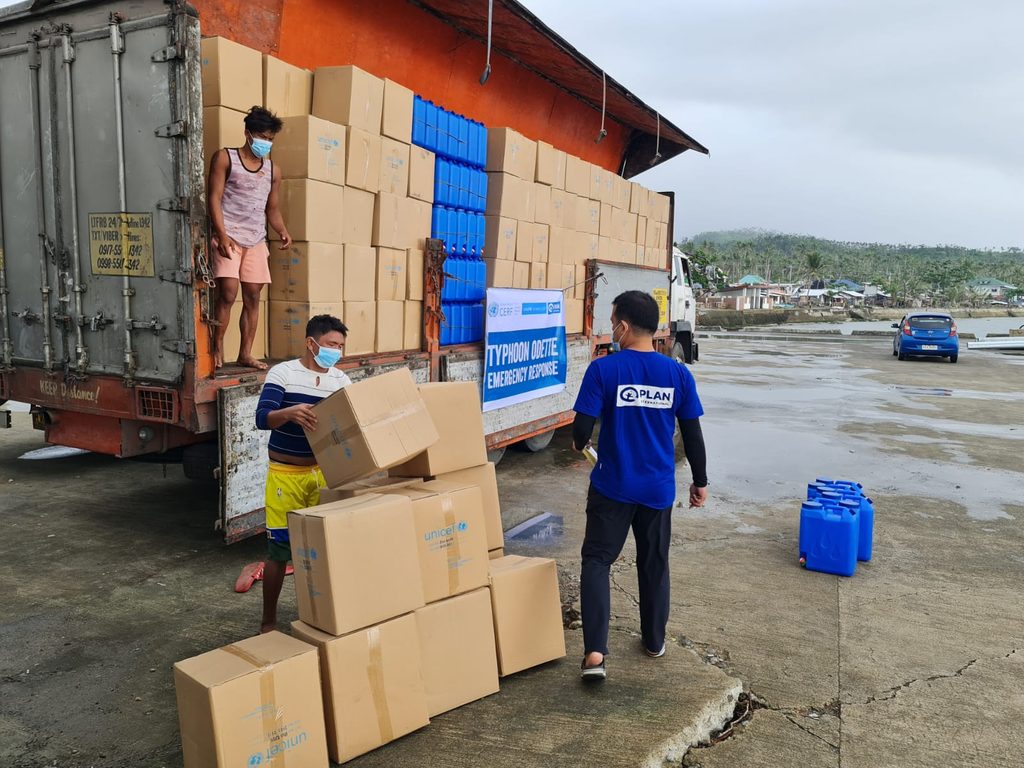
x=218, y=359
x=268, y=626
x=252, y=362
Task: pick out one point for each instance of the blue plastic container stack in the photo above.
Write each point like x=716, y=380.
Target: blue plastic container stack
x=837, y=526
x=460, y=199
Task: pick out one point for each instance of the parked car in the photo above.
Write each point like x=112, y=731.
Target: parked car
x=926, y=334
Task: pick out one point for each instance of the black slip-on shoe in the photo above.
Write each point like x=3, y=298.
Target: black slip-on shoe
x=595, y=672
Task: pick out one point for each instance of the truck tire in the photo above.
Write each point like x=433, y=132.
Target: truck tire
x=200, y=462
x=539, y=442
x=684, y=349
x=496, y=455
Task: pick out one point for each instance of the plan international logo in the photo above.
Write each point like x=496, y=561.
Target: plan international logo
x=639, y=396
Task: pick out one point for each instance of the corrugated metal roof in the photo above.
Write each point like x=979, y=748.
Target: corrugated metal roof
x=519, y=35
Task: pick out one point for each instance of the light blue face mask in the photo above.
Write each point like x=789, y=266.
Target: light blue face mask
x=616, y=347
x=260, y=147
x=327, y=357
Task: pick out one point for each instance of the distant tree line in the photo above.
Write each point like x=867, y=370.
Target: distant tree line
x=903, y=271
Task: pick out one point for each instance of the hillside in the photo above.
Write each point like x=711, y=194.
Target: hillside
x=725, y=256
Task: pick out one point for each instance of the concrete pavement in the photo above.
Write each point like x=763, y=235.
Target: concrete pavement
x=112, y=573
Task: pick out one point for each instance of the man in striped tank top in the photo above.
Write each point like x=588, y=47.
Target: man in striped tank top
x=294, y=480
x=243, y=192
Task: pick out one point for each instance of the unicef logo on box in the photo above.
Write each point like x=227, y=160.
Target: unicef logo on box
x=256, y=759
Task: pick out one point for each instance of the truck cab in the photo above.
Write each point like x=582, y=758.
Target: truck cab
x=684, y=309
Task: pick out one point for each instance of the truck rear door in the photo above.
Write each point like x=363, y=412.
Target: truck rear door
x=100, y=186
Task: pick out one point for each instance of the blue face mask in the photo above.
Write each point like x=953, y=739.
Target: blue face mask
x=260, y=147
x=327, y=357
x=616, y=347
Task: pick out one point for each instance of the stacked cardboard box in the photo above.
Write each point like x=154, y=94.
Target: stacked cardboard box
x=544, y=225
x=437, y=593
x=355, y=195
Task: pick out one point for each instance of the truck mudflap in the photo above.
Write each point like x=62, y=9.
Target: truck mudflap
x=243, y=452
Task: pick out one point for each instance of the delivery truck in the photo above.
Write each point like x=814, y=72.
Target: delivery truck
x=106, y=287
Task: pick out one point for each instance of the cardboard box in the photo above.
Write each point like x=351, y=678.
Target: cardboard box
x=233, y=333
x=596, y=176
x=542, y=207
x=591, y=213
x=359, y=207
x=540, y=242
x=563, y=209
x=499, y=273
x=573, y=316
x=360, y=273
x=651, y=235
x=362, y=160
x=500, y=239
x=587, y=247
x=308, y=147
x=349, y=96
x=524, y=241
x=232, y=74
x=623, y=192
x=418, y=215
x=394, y=166
x=560, y=245
x=568, y=278
x=250, y=703
x=287, y=325
x=520, y=274
x=414, y=276
x=390, y=222
x=607, y=226
x=638, y=199
x=539, y=274
x=457, y=638
x=371, y=425
x=660, y=207
x=507, y=196
x=640, y=233
x=554, y=277
x=361, y=319
x=496, y=554
x=222, y=127
x=577, y=176
x=313, y=211
x=413, y=325
x=396, y=115
x=527, y=612
x=372, y=685
x=579, y=291
x=307, y=272
x=451, y=537
x=508, y=151
x=355, y=560
x=607, y=187
x=483, y=477
x=550, y=166
x=390, y=326
x=455, y=409
x=605, y=249
x=421, y=174
x=391, y=274
x=530, y=190
x=287, y=89
x=374, y=484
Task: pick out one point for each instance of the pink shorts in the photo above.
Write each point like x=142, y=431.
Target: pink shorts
x=247, y=265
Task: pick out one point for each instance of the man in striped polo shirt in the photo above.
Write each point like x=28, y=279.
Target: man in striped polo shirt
x=294, y=480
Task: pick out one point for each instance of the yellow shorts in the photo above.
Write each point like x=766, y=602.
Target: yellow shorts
x=290, y=487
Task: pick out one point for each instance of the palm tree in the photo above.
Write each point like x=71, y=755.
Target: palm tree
x=814, y=264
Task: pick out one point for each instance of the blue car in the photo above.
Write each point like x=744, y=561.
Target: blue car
x=926, y=334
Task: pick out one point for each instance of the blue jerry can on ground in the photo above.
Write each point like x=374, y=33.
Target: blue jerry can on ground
x=829, y=535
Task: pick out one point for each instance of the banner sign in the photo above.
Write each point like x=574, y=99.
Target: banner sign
x=524, y=346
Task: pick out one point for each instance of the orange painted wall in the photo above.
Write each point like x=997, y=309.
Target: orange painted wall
x=392, y=38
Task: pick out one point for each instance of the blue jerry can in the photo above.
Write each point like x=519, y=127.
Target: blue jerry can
x=828, y=538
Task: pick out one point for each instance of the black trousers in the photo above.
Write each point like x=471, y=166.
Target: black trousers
x=608, y=524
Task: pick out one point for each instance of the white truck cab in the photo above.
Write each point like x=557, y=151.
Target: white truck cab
x=683, y=309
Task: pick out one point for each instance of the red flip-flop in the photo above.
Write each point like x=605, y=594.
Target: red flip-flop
x=252, y=573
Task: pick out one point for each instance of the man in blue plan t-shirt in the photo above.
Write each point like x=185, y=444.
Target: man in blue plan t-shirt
x=639, y=395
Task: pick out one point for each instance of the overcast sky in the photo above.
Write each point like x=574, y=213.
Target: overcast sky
x=871, y=120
